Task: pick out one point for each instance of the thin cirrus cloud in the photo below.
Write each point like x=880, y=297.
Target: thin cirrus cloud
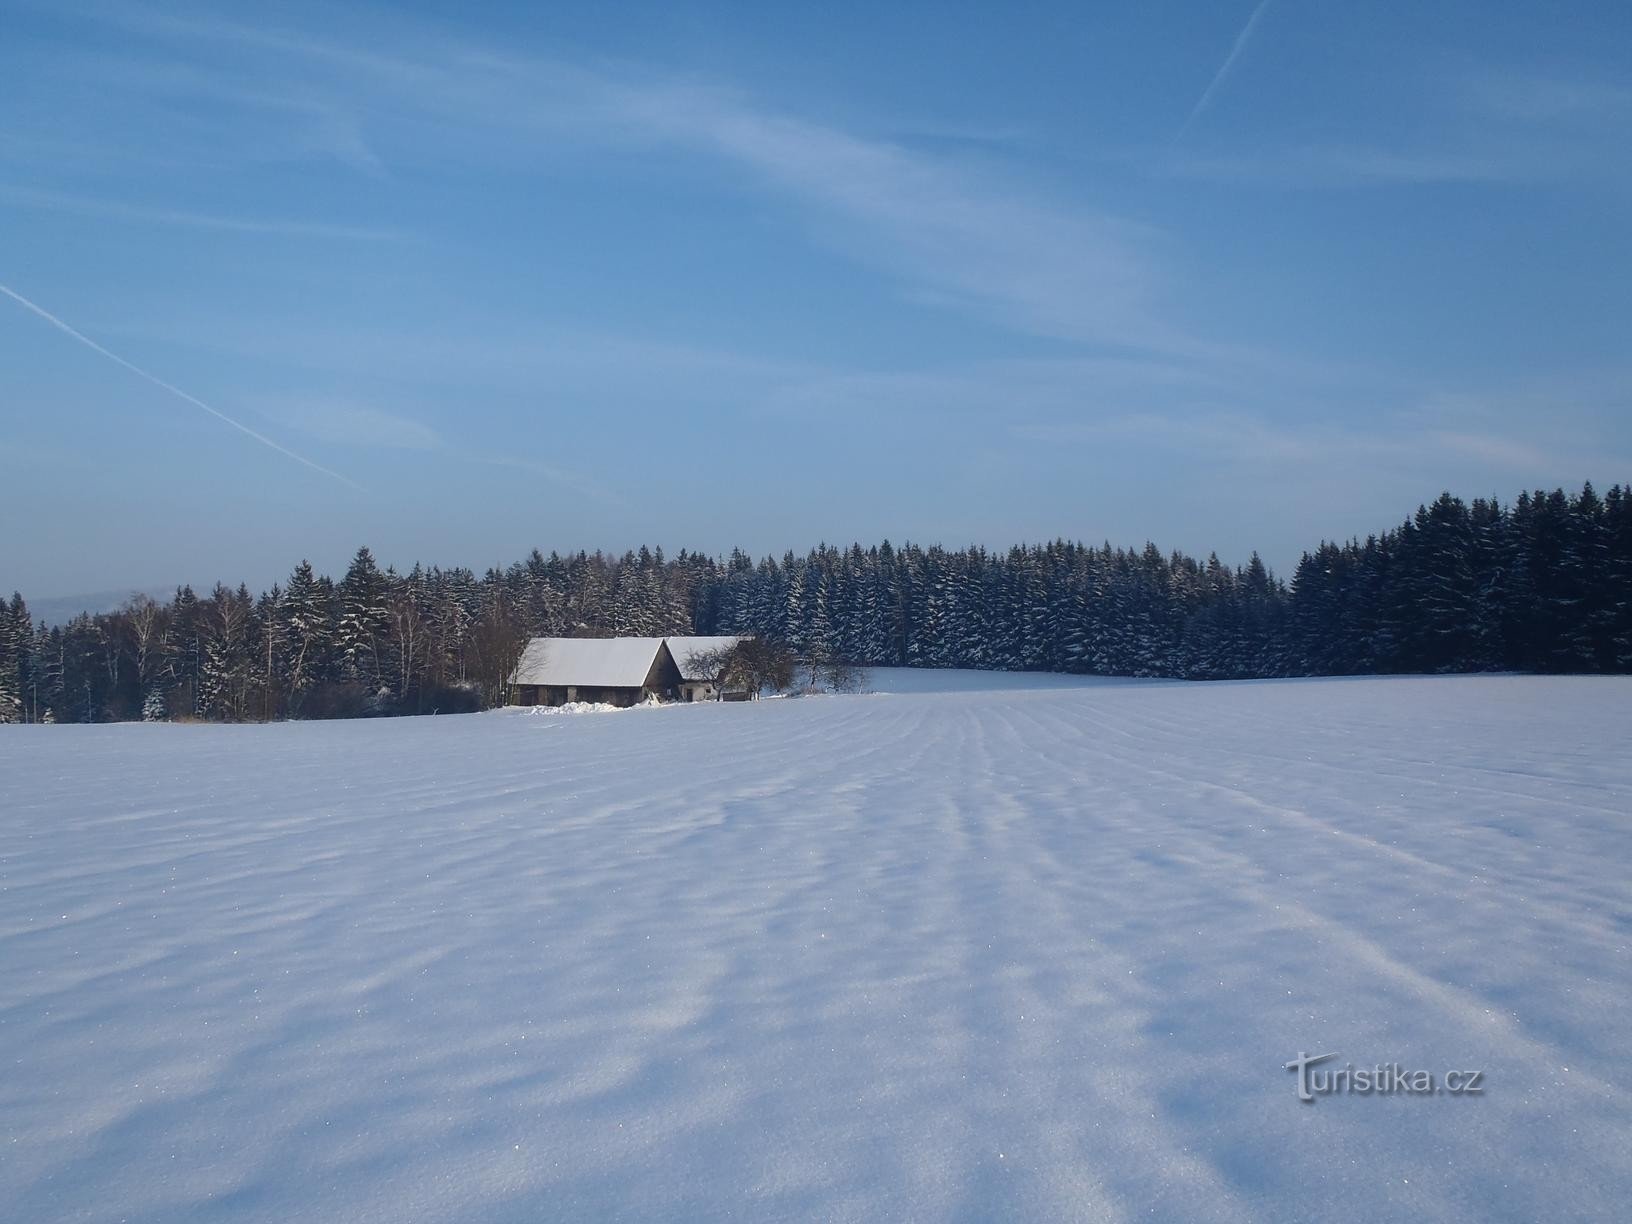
x=566, y=478
x=1545, y=429
x=1216, y=437
x=1539, y=98
x=991, y=248
x=348, y=423
x=1485, y=126
x=1486, y=158
x=977, y=241
x=1510, y=453
x=118, y=210
x=1251, y=441
x=972, y=234
x=1337, y=167
x=342, y=422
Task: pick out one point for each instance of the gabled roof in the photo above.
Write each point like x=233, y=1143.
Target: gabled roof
x=682, y=648
x=588, y=662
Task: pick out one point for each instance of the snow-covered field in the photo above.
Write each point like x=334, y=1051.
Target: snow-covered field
x=1035, y=949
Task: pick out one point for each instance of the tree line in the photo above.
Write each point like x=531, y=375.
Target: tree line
x=1543, y=584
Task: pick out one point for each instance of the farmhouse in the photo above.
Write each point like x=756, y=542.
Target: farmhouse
x=614, y=671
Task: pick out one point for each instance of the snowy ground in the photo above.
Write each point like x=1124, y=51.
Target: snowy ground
x=1036, y=952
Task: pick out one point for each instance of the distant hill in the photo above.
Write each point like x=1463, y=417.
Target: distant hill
x=63, y=608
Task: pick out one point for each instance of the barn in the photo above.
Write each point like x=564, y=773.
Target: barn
x=616, y=671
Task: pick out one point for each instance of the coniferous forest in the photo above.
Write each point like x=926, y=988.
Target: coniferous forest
x=1544, y=584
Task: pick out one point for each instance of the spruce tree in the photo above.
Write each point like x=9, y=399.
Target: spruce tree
x=305, y=623
x=13, y=633
x=364, y=622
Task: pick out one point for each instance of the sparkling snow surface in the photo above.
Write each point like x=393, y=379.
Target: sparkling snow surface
x=1037, y=952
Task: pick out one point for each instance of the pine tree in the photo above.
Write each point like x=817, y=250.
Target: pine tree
x=46, y=695
x=224, y=632
x=794, y=616
x=14, y=631
x=185, y=656
x=818, y=628
x=1618, y=574
x=364, y=622
x=1587, y=575
x=305, y=623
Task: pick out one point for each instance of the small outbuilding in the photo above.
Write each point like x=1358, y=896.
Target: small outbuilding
x=612, y=671
x=700, y=683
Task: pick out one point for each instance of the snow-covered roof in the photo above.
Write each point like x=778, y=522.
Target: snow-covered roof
x=591, y=662
x=622, y=662
x=682, y=648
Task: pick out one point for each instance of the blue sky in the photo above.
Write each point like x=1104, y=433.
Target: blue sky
x=472, y=279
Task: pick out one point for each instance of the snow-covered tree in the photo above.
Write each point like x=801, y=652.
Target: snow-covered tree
x=364, y=622
x=14, y=637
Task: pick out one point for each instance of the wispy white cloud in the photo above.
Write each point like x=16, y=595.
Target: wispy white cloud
x=947, y=396
x=60, y=201
x=992, y=248
x=341, y=421
x=489, y=353
x=1529, y=462
x=564, y=478
x=1531, y=97
x=344, y=422
x=1435, y=437
x=1232, y=437
x=1545, y=429
x=967, y=236
x=1510, y=454
x=1340, y=166
x=1483, y=126
x=972, y=234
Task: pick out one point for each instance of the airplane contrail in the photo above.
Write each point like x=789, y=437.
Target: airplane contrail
x=1224, y=69
x=176, y=391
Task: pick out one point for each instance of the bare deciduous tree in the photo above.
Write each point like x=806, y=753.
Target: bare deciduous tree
x=496, y=643
x=717, y=665
x=149, y=637
x=763, y=664
x=841, y=676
